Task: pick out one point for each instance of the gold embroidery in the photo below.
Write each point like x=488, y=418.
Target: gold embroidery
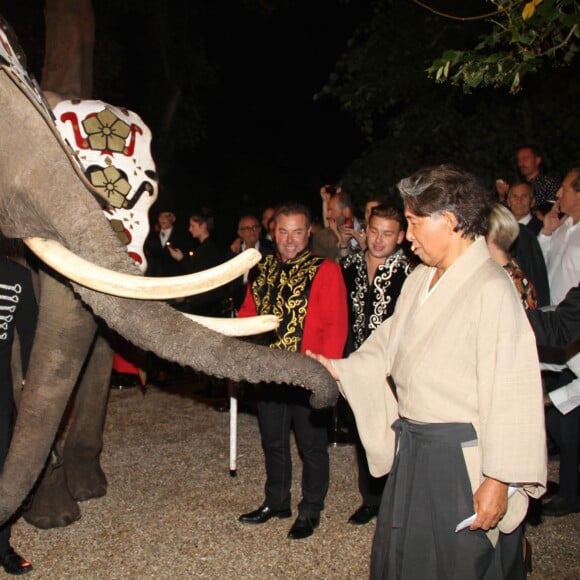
x=283, y=289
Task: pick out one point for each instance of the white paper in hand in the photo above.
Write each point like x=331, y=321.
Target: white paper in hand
x=468, y=521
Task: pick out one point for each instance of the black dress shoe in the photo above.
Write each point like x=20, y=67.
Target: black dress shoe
x=263, y=514
x=559, y=506
x=303, y=527
x=363, y=515
x=14, y=563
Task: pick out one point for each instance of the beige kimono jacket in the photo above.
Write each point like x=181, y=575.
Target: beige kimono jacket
x=465, y=353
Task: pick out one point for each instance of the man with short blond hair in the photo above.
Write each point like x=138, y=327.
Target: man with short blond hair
x=307, y=294
x=373, y=279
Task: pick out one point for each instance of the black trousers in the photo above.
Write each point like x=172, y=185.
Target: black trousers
x=279, y=409
x=565, y=431
x=6, y=421
x=371, y=488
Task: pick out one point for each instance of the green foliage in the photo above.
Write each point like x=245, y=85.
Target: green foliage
x=523, y=35
x=408, y=122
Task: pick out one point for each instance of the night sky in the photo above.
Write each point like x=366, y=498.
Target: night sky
x=266, y=139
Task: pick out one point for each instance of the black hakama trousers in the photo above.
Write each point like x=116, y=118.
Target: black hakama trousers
x=427, y=494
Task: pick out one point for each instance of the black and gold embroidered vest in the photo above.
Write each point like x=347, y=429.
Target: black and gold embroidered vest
x=283, y=289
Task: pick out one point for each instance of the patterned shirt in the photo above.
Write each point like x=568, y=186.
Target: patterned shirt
x=371, y=304
x=524, y=287
x=544, y=188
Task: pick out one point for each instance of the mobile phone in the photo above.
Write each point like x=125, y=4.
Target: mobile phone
x=348, y=223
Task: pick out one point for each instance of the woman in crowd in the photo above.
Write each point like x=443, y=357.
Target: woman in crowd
x=502, y=232
x=451, y=400
x=206, y=255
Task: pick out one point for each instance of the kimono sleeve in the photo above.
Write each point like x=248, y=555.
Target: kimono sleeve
x=511, y=412
x=363, y=382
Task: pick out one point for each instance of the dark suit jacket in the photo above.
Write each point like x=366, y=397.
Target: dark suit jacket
x=159, y=260
x=560, y=327
x=206, y=255
x=237, y=290
x=528, y=254
x=535, y=225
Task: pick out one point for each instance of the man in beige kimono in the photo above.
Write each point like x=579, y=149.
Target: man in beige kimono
x=452, y=404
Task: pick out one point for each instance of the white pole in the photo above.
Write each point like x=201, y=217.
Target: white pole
x=233, y=429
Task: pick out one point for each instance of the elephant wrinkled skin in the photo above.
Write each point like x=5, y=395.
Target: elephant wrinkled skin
x=43, y=194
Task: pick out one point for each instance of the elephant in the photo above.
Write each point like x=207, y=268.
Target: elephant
x=46, y=201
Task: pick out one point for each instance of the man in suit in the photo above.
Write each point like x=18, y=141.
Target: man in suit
x=163, y=235
x=520, y=200
x=560, y=242
x=248, y=237
x=559, y=327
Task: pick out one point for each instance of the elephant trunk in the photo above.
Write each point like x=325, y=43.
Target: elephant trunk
x=163, y=330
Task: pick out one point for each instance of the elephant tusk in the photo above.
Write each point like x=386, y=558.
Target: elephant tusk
x=108, y=281
x=237, y=326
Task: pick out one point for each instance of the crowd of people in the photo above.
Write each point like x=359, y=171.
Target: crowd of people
x=424, y=311
x=446, y=378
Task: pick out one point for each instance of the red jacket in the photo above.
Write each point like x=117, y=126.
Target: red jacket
x=326, y=321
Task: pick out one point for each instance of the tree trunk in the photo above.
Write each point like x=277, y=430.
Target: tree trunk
x=70, y=39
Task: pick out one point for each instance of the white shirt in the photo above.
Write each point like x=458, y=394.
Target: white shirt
x=244, y=247
x=525, y=220
x=562, y=254
x=164, y=235
x=356, y=226
x=566, y=398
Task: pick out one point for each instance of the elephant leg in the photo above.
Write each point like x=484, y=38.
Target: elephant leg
x=64, y=336
x=84, y=440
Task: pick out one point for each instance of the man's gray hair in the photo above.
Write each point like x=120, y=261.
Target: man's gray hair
x=447, y=188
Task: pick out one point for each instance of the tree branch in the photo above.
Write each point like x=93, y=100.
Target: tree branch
x=452, y=16
x=553, y=49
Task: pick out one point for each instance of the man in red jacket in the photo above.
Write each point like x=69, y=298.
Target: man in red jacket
x=308, y=295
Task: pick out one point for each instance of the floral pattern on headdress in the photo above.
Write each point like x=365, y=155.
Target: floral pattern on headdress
x=106, y=131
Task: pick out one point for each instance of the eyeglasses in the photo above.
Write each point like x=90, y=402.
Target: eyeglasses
x=248, y=228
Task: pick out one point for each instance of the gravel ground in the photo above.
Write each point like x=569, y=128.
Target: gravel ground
x=172, y=507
